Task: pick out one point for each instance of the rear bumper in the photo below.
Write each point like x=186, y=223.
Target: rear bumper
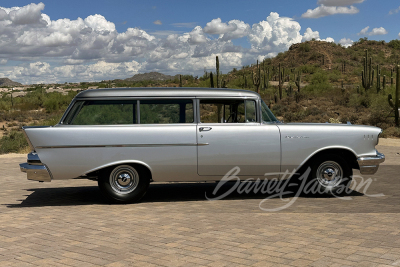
x=35, y=169
x=370, y=164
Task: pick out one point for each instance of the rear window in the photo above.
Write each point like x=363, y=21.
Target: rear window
x=105, y=112
x=111, y=112
x=166, y=111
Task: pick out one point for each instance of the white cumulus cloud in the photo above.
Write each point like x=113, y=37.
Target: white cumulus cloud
x=232, y=30
x=374, y=31
x=364, y=31
x=323, y=11
x=378, y=31
x=394, y=11
x=35, y=49
x=339, y=2
x=346, y=42
x=275, y=34
x=309, y=34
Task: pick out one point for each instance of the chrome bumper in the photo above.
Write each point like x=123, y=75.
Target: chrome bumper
x=370, y=164
x=35, y=169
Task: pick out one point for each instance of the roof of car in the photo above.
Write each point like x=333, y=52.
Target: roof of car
x=166, y=92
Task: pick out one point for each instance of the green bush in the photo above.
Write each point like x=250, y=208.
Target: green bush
x=13, y=142
x=394, y=44
x=305, y=47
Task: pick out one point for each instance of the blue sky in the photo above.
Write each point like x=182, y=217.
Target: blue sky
x=47, y=42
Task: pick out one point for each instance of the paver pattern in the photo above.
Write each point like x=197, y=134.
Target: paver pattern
x=67, y=223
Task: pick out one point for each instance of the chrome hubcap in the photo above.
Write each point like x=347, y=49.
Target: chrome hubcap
x=329, y=174
x=124, y=179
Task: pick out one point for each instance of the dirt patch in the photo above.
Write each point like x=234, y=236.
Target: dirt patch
x=389, y=142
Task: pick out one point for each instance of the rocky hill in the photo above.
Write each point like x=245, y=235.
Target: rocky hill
x=151, y=76
x=5, y=82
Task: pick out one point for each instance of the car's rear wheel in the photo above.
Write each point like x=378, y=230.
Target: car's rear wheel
x=330, y=174
x=124, y=183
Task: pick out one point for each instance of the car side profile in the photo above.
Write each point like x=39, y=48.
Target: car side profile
x=125, y=138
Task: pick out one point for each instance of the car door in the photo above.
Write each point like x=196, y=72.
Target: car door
x=229, y=134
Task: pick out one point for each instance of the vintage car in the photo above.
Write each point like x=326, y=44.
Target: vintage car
x=127, y=138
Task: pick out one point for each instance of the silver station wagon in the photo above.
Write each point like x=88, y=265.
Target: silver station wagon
x=127, y=138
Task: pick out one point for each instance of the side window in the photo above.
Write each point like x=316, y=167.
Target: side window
x=166, y=111
x=251, y=111
x=227, y=111
x=102, y=112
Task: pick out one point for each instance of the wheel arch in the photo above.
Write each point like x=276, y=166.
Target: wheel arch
x=348, y=154
x=122, y=162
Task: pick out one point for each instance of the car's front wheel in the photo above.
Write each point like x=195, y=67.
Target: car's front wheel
x=330, y=174
x=124, y=183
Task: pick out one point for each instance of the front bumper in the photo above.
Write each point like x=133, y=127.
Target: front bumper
x=370, y=164
x=35, y=169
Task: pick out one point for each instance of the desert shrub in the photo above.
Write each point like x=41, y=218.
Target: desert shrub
x=319, y=83
x=394, y=44
x=356, y=101
x=13, y=142
x=352, y=118
x=293, y=116
x=279, y=109
x=313, y=111
x=309, y=68
x=305, y=47
x=334, y=76
x=391, y=132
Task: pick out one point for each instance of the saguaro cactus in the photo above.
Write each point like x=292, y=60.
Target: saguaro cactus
x=266, y=77
x=396, y=106
x=367, y=74
x=257, y=78
x=378, y=78
x=298, y=81
x=211, y=80
x=384, y=82
x=391, y=77
x=217, y=65
x=180, y=80
x=395, y=103
x=280, y=81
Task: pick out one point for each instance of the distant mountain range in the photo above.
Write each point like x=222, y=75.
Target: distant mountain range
x=151, y=76
x=8, y=83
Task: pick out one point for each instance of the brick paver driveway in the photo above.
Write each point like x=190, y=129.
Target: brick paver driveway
x=66, y=223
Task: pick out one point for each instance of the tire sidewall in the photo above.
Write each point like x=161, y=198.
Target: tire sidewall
x=114, y=196
x=339, y=188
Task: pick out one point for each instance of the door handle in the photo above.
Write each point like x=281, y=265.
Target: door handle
x=205, y=129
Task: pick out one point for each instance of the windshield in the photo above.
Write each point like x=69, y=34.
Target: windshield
x=266, y=114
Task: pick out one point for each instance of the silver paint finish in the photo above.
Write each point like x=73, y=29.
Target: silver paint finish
x=167, y=92
x=172, y=162
x=323, y=136
x=253, y=147
x=181, y=152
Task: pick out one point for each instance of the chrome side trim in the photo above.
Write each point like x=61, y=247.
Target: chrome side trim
x=123, y=145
